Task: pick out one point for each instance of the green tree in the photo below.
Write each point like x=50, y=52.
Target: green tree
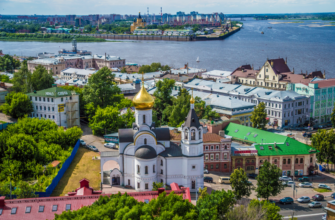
x=179, y=109
x=240, y=184
x=202, y=192
x=22, y=79
x=258, y=116
x=5, y=189
x=332, y=117
x=24, y=190
x=145, y=69
x=101, y=89
x=323, y=141
x=157, y=185
x=128, y=119
x=216, y=205
x=41, y=78
x=203, y=111
x=272, y=210
x=105, y=120
x=123, y=70
x=17, y=105
x=268, y=183
x=243, y=212
x=4, y=78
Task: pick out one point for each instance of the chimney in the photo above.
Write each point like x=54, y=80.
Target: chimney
x=293, y=70
x=324, y=74
x=272, y=63
x=160, y=190
x=252, y=67
x=222, y=133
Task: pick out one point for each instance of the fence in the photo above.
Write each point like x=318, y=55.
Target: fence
x=60, y=174
x=4, y=126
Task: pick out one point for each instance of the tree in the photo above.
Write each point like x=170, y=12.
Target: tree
x=128, y=119
x=123, y=70
x=268, y=183
x=41, y=78
x=17, y=105
x=105, y=119
x=204, y=111
x=258, y=116
x=157, y=185
x=272, y=210
x=244, y=212
x=179, y=109
x=24, y=190
x=203, y=192
x=216, y=205
x=332, y=117
x=22, y=79
x=323, y=141
x=101, y=89
x=240, y=184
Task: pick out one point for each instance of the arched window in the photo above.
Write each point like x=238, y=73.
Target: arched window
x=161, y=162
x=296, y=160
x=138, y=169
x=301, y=160
x=145, y=141
x=143, y=119
x=192, y=135
x=153, y=169
x=146, y=170
x=275, y=160
x=225, y=147
x=284, y=161
x=186, y=134
x=199, y=134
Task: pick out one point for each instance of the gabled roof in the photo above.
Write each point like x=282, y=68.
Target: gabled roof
x=279, y=66
x=52, y=92
x=192, y=120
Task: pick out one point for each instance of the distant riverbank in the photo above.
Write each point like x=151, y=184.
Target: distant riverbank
x=47, y=37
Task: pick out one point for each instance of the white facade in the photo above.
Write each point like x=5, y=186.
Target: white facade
x=76, y=74
x=46, y=107
x=148, y=32
x=146, y=155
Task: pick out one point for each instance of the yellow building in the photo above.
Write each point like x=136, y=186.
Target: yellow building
x=139, y=22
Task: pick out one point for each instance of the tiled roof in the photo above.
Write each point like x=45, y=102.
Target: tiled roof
x=210, y=137
x=279, y=66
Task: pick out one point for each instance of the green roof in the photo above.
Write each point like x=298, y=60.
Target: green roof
x=284, y=145
x=51, y=92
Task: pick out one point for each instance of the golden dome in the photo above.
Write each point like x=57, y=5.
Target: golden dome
x=192, y=100
x=143, y=100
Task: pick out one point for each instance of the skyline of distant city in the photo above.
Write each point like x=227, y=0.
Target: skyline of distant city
x=83, y=7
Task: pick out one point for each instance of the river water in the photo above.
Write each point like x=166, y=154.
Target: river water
x=308, y=46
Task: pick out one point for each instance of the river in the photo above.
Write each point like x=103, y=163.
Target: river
x=308, y=46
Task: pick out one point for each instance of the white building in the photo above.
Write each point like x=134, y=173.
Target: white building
x=47, y=101
x=148, y=32
x=178, y=32
x=74, y=73
x=217, y=74
x=146, y=153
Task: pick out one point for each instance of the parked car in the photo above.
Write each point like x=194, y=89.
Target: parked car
x=306, y=185
x=324, y=186
x=205, y=171
x=303, y=179
x=304, y=199
x=252, y=175
x=91, y=147
x=285, y=178
x=284, y=183
x=332, y=195
x=315, y=205
x=208, y=179
x=82, y=142
x=224, y=179
x=286, y=200
x=110, y=145
x=308, y=135
x=290, y=183
x=318, y=197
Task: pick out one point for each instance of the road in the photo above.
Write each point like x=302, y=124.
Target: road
x=302, y=211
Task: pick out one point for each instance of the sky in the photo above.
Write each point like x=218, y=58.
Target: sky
x=83, y=7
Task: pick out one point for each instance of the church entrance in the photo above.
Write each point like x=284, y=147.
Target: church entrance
x=115, y=181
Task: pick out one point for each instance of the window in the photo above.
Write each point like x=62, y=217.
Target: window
x=212, y=157
x=36, y=107
x=52, y=99
x=225, y=147
x=13, y=211
x=192, y=135
x=146, y=170
x=70, y=97
x=217, y=157
x=48, y=100
x=212, y=166
x=53, y=117
x=225, y=156
x=161, y=162
x=288, y=161
x=61, y=99
x=45, y=116
x=28, y=209
x=35, y=98
x=68, y=207
x=143, y=119
x=39, y=98
x=212, y=147
x=128, y=182
x=153, y=169
x=49, y=109
x=296, y=160
x=53, y=108
x=301, y=160
x=161, y=180
x=138, y=185
x=40, y=107
x=206, y=147
x=275, y=161
x=138, y=169
x=261, y=161
x=199, y=134
x=206, y=157
x=186, y=134
x=161, y=171
x=217, y=166
x=45, y=108
x=41, y=208
x=206, y=166
x=146, y=186
x=193, y=184
x=225, y=166
x=145, y=141
x=217, y=147
x=311, y=159
x=43, y=99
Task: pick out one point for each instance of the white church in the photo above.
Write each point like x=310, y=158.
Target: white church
x=147, y=155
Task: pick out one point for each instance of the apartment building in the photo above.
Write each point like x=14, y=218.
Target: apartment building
x=51, y=64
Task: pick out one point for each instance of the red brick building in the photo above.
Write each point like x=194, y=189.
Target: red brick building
x=217, y=153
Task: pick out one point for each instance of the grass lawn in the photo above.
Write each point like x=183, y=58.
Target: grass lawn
x=322, y=190
x=81, y=167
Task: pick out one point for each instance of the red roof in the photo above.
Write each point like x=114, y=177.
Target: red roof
x=75, y=202
x=325, y=83
x=279, y=66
